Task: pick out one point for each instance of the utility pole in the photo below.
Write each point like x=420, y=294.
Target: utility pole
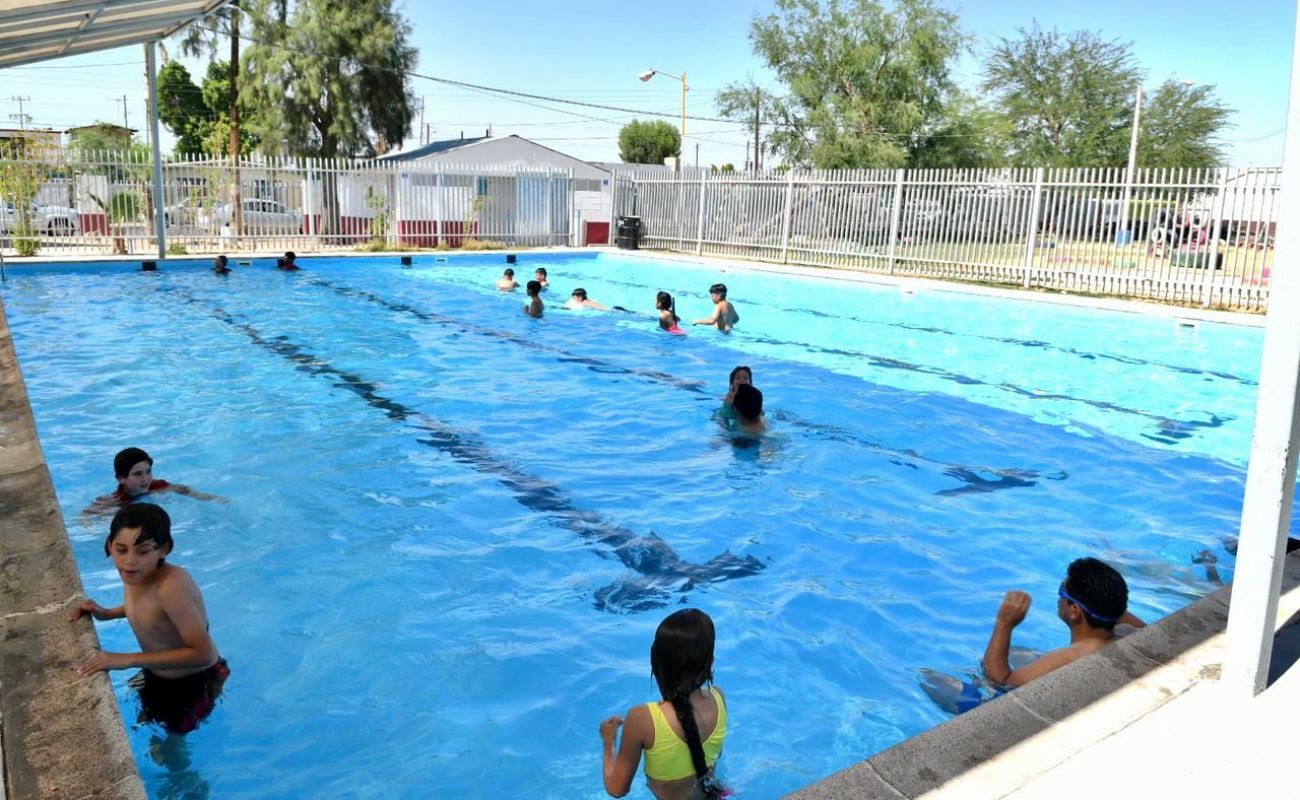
x=758, y=102
x=422, y=102
x=21, y=117
x=697, y=155
x=125, y=121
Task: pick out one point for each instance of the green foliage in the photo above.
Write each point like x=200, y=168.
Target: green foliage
x=479, y=244
x=181, y=107
x=1180, y=126
x=749, y=103
x=966, y=135
x=378, y=203
x=101, y=136
x=1067, y=97
x=24, y=169
x=177, y=250
x=27, y=245
x=329, y=77
x=648, y=142
x=863, y=80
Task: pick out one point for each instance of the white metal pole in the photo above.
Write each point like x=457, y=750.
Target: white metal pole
x=895, y=214
x=159, y=215
x=785, y=216
x=699, y=222
x=1270, y=477
x=1031, y=237
x=1132, y=161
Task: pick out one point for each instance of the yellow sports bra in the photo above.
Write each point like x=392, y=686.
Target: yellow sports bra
x=670, y=758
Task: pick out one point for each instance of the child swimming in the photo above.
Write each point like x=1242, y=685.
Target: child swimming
x=682, y=734
x=740, y=375
x=668, y=318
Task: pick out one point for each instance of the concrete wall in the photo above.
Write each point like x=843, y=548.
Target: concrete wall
x=62, y=735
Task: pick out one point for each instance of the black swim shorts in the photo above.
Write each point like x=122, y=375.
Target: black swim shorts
x=179, y=704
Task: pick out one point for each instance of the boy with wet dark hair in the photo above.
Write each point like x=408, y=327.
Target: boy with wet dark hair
x=540, y=276
x=1091, y=601
x=134, y=470
x=724, y=313
x=181, y=672
x=508, y=282
x=748, y=404
x=287, y=263
x=533, y=307
x=221, y=265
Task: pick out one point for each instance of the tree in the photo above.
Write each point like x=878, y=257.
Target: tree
x=863, y=81
x=1066, y=97
x=648, y=142
x=967, y=135
x=330, y=76
x=181, y=108
x=750, y=103
x=1179, y=127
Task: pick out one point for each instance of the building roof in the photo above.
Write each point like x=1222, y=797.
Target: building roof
x=432, y=149
x=38, y=30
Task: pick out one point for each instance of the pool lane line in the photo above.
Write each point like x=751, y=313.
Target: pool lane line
x=662, y=570
x=1037, y=343
x=968, y=474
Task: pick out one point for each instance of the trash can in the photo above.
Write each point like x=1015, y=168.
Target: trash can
x=629, y=233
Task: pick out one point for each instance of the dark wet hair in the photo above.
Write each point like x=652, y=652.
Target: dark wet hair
x=534, y=287
x=665, y=301
x=719, y=289
x=541, y=270
x=154, y=524
x=220, y=262
x=280, y=262
x=748, y=402
x=731, y=379
x=681, y=660
x=580, y=292
x=289, y=255
x=125, y=459
x=510, y=273
x=1101, y=588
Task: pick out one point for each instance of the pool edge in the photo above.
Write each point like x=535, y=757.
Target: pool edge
x=60, y=736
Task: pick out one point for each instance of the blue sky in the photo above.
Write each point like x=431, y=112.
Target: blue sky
x=592, y=51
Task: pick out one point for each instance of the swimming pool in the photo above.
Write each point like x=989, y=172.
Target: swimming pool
x=453, y=529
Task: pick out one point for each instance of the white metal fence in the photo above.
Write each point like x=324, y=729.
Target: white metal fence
x=1187, y=236
x=93, y=203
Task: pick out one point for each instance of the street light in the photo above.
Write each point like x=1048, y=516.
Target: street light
x=650, y=73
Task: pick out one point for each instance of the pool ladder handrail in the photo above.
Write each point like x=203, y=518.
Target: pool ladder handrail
x=3, y=279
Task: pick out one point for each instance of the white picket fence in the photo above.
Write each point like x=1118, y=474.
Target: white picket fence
x=1200, y=237
x=215, y=205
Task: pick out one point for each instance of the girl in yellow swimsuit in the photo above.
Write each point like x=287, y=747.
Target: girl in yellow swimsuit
x=682, y=734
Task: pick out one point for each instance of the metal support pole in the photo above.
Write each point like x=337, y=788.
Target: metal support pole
x=159, y=215
x=442, y=205
x=1132, y=161
x=785, y=216
x=1270, y=477
x=699, y=228
x=895, y=216
x=1031, y=237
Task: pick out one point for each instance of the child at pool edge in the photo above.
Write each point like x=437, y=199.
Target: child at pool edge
x=181, y=671
x=679, y=755
x=508, y=282
x=533, y=307
x=668, y=318
x=724, y=315
x=134, y=471
x=1092, y=601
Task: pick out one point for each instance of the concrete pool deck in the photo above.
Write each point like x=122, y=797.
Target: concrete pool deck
x=1134, y=715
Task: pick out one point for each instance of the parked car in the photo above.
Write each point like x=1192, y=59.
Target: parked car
x=260, y=217
x=52, y=220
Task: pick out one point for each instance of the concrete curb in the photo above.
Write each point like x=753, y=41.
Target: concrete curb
x=62, y=735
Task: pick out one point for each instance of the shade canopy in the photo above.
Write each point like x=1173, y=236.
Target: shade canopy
x=38, y=30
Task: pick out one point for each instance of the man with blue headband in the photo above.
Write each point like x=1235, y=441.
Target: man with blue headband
x=1092, y=600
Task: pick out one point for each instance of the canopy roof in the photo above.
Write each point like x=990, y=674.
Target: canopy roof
x=38, y=30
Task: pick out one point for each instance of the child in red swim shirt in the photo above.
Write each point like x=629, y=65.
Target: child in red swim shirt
x=134, y=470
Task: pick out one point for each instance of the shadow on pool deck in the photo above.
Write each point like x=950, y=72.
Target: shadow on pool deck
x=62, y=735
x=1062, y=714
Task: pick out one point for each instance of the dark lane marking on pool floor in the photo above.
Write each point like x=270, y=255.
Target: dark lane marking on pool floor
x=968, y=474
x=663, y=571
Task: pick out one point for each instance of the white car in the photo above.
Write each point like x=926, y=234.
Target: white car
x=53, y=220
x=260, y=217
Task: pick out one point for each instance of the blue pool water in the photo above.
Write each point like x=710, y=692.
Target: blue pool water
x=454, y=529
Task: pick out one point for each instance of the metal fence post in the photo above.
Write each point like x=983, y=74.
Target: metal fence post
x=442, y=207
x=699, y=229
x=895, y=216
x=785, y=217
x=1212, y=239
x=1031, y=236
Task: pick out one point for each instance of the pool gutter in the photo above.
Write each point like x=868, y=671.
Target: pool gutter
x=61, y=736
